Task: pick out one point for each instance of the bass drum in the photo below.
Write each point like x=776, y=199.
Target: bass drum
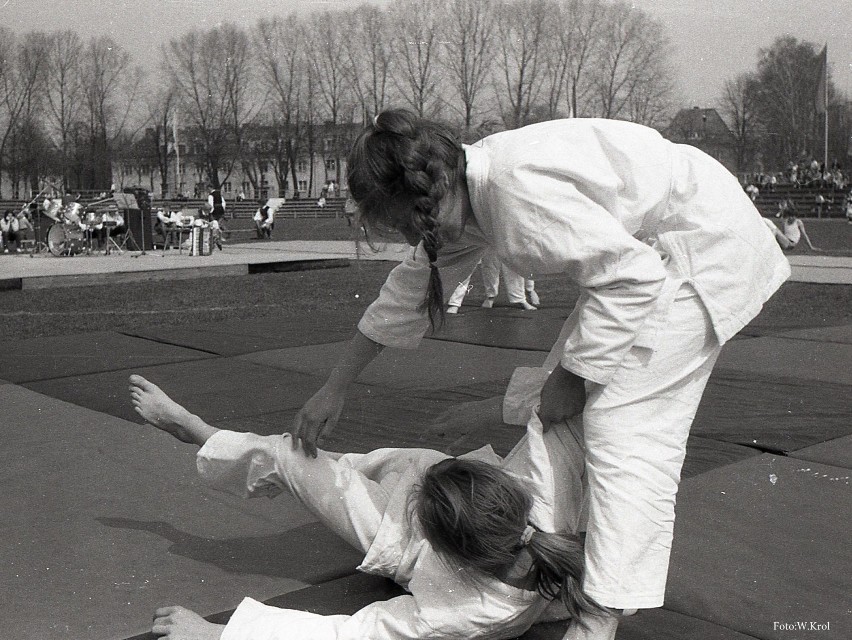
x=65, y=240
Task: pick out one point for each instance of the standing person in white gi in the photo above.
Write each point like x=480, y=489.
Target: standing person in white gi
x=672, y=258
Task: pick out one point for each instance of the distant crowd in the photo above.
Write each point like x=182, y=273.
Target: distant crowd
x=807, y=172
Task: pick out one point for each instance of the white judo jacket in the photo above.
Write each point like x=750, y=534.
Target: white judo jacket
x=619, y=210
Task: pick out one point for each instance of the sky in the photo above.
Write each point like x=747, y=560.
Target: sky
x=712, y=40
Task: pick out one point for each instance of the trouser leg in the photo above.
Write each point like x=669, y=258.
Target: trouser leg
x=490, y=271
x=460, y=292
x=636, y=429
x=342, y=498
x=514, y=284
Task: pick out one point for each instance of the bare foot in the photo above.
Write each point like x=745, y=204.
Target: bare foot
x=183, y=624
x=158, y=409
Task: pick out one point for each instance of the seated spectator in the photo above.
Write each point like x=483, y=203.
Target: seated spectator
x=10, y=228
x=793, y=229
x=752, y=191
x=264, y=222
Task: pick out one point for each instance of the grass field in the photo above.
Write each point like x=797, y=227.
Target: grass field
x=34, y=313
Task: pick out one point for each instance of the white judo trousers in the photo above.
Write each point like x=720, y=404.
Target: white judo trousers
x=636, y=428
x=491, y=270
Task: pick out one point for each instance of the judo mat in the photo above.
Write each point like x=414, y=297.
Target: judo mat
x=116, y=523
x=504, y=327
x=771, y=412
x=110, y=518
x=763, y=543
x=82, y=353
x=837, y=453
x=236, y=337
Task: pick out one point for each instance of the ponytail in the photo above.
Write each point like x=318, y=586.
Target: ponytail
x=558, y=564
x=400, y=168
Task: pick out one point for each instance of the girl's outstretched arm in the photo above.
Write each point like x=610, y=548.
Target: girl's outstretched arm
x=159, y=410
x=320, y=414
x=805, y=234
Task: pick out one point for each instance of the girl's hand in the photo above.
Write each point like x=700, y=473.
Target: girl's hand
x=177, y=623
x=563, y=396
x=317, y=418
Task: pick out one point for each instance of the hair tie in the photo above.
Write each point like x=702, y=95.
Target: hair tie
x=527, y=535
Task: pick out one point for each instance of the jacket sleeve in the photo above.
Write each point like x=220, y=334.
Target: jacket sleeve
x=559, y=228
x=397, y=318
x=442, y=605
x=394, y=619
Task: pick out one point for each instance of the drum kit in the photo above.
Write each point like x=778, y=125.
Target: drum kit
x=73, y=228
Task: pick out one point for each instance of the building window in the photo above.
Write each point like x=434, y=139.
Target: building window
x=303, y=185
x=182, y=149
x=302, y=166
x=330, y=164
x=226, y=187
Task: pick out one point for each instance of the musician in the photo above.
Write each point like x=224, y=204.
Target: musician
x=217, y=203
x=25, y=221
x=9, y=227
x=112, y=225
x=264, y=222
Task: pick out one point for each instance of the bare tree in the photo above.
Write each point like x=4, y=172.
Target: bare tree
x=22, y=69
x=369, y=57
x=739, y=103
x=558, y=49
x=64, y=93
x=328, y=86
x=651, y=99
x=417, y=47
x=110, y=85
x=521, y=40
x=468, y=37
x=581, y=37
x=211, y=71
x=30, y=148
x=327, y=53
x=629, y=46
x=161, y=106
x=280, y=53
x=787, y=77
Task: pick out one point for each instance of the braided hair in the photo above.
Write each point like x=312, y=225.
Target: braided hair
x=400, y=168
x=477, y=514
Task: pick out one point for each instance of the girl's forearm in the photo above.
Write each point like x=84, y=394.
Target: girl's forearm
x=360, y=352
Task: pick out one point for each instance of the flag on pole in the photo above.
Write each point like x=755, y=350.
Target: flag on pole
x=821, y=97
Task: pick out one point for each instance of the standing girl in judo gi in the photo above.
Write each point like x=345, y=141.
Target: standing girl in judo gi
x=485, y=547
x=672, y=257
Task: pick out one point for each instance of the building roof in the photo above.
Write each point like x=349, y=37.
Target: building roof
x=698, y=125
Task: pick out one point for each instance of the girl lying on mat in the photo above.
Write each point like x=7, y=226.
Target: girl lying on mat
x=485, y=546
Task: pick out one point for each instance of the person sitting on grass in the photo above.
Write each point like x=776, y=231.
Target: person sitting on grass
x=485, y=546
x=793, y=230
